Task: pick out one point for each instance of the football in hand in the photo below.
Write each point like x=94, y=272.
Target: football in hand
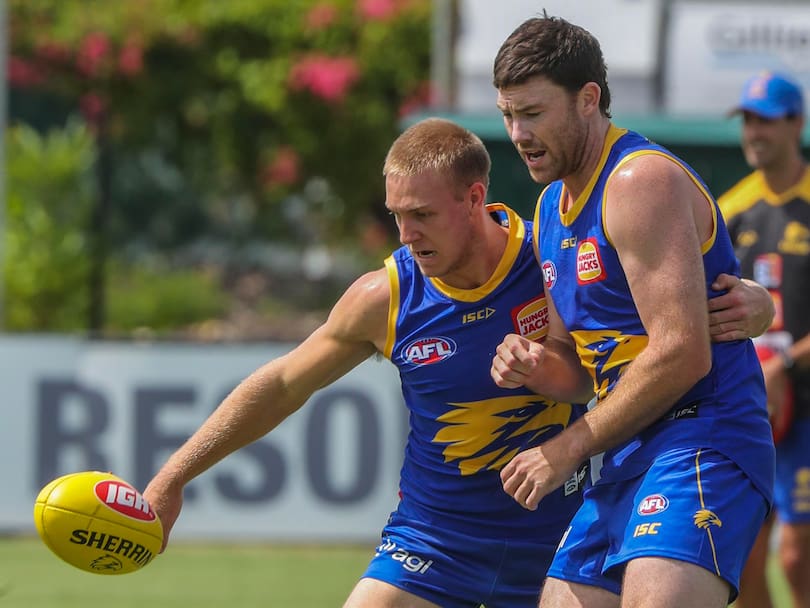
x=98, y=522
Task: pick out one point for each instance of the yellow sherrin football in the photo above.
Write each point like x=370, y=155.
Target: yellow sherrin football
x=98, y=522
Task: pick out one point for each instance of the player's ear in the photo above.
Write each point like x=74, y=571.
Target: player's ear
x=477, y=194
x=588, y=98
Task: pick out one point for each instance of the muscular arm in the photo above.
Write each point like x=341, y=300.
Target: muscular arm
x=354, y=330
x=552, y=368
x=657, y=219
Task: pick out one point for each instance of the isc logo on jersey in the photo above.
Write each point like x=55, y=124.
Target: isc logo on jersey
x=426, y=351
x=589, y=263
x=531, y=319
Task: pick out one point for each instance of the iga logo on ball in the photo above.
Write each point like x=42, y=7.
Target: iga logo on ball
x=98, y=522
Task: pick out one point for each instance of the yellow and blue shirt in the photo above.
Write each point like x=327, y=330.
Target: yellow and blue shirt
x=584, y=277
x=464, y=428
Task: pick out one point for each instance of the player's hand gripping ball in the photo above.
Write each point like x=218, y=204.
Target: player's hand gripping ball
x=98, y=522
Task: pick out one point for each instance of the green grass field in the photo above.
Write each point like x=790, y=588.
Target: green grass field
x=203, y=576
x=229, y=576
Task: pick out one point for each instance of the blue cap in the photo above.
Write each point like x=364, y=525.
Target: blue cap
x=771, y=96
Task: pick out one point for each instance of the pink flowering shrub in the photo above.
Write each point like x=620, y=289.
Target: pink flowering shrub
x=205, y=89
x=326, y=77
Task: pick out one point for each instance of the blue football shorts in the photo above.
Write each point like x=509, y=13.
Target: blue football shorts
x=459, y=571
x=792, y=486
x=693, y=505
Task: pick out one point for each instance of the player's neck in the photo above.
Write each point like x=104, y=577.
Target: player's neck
x=577, y=182
x=486, y=248
x=785, y=176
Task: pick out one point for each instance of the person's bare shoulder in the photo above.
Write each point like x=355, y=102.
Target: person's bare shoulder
x=650, y=176
x=361, y=314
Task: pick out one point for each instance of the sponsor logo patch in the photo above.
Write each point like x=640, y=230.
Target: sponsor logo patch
x=589, y=263
x=409, y=560
x=768, y=270
x=426, y=351
x=687, y=411
x=652, y=504
x=477, y=315
x=124, y=499
x=574, y=483
x=531, y=319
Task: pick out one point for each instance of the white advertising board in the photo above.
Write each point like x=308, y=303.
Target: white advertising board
x=714, y=47
x=627, y=31
x=327, y=473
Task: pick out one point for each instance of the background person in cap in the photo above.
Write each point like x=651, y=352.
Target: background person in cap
x=768, y=217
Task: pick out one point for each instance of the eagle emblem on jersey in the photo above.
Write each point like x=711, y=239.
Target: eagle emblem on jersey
x=487, y=434
x=605, y=354
x=704, y=518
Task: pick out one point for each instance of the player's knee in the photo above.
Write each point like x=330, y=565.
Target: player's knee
x=795, y=560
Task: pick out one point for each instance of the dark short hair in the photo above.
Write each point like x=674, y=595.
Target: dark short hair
x=551, y=47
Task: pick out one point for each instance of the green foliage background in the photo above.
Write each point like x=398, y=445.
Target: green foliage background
x=226, y=126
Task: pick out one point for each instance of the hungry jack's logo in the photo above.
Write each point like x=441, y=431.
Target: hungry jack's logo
x=531, y=319
x=589, y=262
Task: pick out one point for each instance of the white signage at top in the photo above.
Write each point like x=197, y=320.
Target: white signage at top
x=714, y=47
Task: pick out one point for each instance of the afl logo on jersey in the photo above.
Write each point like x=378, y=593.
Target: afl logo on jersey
x=549, y=273
x=589, y=263
x=426, y=351
x=654, y=503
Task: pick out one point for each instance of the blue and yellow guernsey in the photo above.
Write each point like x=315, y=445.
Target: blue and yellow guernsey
x=726, y=409
x=464, y=428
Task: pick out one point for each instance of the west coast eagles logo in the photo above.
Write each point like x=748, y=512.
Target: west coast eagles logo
x=705, y=519
x=106, y=562
x=485, y=435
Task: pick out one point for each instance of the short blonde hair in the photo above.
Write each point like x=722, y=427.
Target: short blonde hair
x=437, y=144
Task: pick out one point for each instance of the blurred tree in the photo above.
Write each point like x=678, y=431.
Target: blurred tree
x=49, y=200
x=220, y=110
x=229, y=123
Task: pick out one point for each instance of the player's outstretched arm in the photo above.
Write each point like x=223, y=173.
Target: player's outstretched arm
x=746, y=310
x=354, y=330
